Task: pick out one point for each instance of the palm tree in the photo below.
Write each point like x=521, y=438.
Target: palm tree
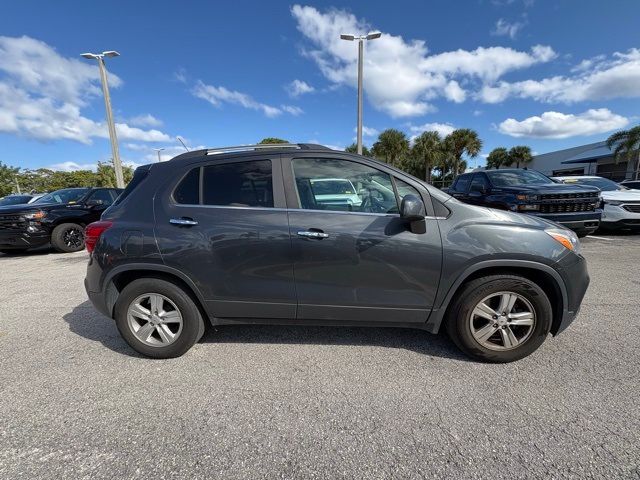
x=520, y=154
x=427, y=150
x=353, y=148
x=392, y=144
x=462, y=141
x=498, y=157
x=271, y=140
x=626, y=142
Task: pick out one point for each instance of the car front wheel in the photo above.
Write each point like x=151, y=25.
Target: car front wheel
x=499, y=318
x=68, y=237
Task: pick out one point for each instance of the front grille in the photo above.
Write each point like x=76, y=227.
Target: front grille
x=568, y=202
x=632, y=207
x=12, y=222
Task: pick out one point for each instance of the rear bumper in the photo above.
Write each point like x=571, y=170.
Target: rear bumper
x=575, y=221
x=20, y=239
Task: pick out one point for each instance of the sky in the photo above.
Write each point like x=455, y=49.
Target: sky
x=548, y=74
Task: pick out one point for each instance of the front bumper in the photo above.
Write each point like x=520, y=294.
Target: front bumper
x=22, y=239
x=588, y=221
x=573, y=270
x=616, y=216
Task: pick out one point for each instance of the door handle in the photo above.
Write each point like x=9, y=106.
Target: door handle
x=185, y=222
x=313, y=234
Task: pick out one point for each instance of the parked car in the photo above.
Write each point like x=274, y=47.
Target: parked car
x=335, y=191
x=15, y=199
x=634, y=184
x=620, y=205
x=528, y=191
x=58, y=217
x=229, y=237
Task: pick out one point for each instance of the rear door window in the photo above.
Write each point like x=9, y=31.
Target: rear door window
x=188, y=190
x=240, y=184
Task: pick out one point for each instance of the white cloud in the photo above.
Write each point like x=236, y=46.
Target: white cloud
x=42, y=95
x=561, y=125
x=505, y=28
x=147, y=120
x=299, y=87
x=149, y=154
x=216, y=96
x=401, y=77
x=596, y=79
x=72, y=166
x=443, y=129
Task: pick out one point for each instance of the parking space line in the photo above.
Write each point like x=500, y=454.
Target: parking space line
x=601, y=238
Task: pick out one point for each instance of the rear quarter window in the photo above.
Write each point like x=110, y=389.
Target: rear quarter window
x=188, y=190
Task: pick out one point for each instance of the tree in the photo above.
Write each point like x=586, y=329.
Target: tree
x=428, y=152
x=270, y=140
x=353, y=148
x=498, y=157
x=460, y=142
x=105, y=175
x=391, y=146
x=7, y=179
x=520, y=154
x=626, y=143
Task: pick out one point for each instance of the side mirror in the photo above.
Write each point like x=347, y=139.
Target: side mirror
x=94, y=203
x=412, y=209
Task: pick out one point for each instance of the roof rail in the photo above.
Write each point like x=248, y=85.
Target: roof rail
x=265, y=146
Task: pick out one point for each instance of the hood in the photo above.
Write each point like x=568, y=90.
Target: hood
x=26, y=207
x=502, y=217
x=548, y=188
x=621, y=195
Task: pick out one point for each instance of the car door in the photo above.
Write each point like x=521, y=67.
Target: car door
x=224, y=225
x=478, y=189
x=357, y=260
x=98, y=201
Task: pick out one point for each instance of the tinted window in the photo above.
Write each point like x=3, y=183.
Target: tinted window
x=188, y=191
x=14, y=200
x=102, y=197
x=242, y=184
x=479, y=183
x=462, y=183
x=508, y=178
x=341, y=185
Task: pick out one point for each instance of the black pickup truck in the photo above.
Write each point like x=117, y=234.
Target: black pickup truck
x=58, y=217
x=531, y=192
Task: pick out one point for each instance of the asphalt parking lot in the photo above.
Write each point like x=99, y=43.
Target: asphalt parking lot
x=285, y=402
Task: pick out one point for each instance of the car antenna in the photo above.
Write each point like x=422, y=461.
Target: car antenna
x=182, y=142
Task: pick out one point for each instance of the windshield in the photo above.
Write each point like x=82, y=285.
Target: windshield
x=510, y=178
x=14, y=200
x=603, y=184
x=67, y=195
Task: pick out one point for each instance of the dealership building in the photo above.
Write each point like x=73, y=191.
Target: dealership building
x=592, y=159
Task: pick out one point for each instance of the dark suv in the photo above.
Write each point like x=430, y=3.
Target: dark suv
x=58, y=217
x=234, y=236
x=531, y=192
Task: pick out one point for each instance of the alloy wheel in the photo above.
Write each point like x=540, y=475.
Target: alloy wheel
x=73, y=238
x=502, y=321
x=154, y=320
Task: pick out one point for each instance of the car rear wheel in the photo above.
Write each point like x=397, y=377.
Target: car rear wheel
x=158, y=318
x=68, y=237
x=499, y=318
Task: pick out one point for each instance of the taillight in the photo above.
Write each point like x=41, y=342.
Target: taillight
x=92, y=233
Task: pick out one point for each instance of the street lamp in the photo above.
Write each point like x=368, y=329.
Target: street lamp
x=117, y=165
x=361, y=39
x=158, y=150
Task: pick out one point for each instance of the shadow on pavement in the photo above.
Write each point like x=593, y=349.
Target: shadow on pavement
x=86, y=322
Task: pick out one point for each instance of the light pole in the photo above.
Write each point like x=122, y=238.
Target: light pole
x=117, y=165
x=158, y=150
x=361, y=39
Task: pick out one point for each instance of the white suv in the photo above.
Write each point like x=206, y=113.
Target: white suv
x=621, y=205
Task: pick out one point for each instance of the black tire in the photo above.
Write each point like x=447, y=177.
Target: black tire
x=67, y=238
x=583, y=233
x=459, y=328
x=192, y=327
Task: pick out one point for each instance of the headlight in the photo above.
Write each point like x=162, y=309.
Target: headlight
x=566, y=238
x=34, y=215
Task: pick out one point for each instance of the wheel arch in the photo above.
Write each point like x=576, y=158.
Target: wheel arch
x=119, y=278
x=543, y=275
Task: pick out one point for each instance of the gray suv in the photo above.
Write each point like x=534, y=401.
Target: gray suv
x=241, y=235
